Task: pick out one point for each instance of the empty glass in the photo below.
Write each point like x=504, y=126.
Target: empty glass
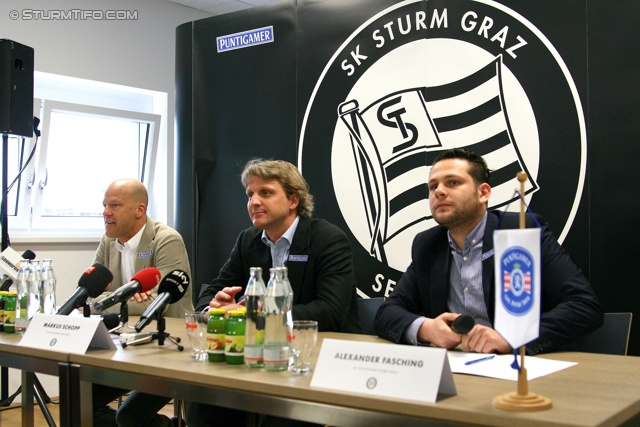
x=302, y=344
x=197, y=332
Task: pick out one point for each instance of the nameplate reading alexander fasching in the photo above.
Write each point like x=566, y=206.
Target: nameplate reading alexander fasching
x=398, y=371
x=69, y=334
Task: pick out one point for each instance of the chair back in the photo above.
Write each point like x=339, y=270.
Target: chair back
x=611, y=338
x=367, y=308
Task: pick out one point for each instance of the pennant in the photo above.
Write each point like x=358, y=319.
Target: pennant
x=518, y=281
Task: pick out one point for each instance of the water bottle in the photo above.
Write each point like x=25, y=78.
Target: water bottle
x=48, y=297
x=277, y=307
x=22, y=298
x=34, y=305
x=254, y=325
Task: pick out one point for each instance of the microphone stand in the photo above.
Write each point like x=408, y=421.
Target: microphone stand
x=41, y=396
x=161, y=335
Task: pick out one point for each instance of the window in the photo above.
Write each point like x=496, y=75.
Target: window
x=82, y=149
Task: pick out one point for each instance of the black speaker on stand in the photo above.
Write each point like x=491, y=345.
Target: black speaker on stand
x=16, y=107
x=16, y=118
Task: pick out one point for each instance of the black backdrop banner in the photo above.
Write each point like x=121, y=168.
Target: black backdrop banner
x=362, y=95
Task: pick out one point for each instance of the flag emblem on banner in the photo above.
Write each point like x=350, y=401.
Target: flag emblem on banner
x=517, y=272
x=395, y=138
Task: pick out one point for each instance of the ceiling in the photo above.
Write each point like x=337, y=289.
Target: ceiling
x=219, y=7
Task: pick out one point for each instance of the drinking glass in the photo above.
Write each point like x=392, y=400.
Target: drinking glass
x=302, y=344
x=197, y=332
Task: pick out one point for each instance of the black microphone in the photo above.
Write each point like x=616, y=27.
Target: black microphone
x=7, y=281
x=172, y=287
x=29, y=254
x=92, y=283
x=142, y=281
x=110, y=320
x=463, y=324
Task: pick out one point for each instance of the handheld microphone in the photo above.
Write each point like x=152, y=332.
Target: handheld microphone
x=172, y=287
x=143, y=281
x=463, y=324
x=7, y=257
x=92, y=283
x=29, y=254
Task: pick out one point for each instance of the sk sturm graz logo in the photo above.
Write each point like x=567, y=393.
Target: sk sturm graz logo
x=517, y=281
x=425, y=76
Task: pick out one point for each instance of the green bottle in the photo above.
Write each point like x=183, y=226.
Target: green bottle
x=10, y=306
x=234, y=337
x=215, y=334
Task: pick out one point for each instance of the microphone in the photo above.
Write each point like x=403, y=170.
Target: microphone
x=92, y=283
x=29, y=254
x=463, y=324
x=9, y=262
x=172, y=287
x=110, y=320
x=143, y=281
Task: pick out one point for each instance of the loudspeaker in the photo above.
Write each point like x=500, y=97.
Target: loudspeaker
x=16, y=89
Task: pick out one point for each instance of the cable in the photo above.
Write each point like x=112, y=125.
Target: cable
x=36, y=122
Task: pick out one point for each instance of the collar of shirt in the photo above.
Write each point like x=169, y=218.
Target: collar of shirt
x=128, y=255
x=280, y=249
x=472, y=238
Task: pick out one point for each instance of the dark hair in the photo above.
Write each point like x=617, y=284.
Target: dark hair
x=478, y=168
x=288, y=175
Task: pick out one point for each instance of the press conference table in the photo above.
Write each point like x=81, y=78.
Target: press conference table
x=601, y=390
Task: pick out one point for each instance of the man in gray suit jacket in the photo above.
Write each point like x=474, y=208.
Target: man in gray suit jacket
x=158, y=246
x=132, y=242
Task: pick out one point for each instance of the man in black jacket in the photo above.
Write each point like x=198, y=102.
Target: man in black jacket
x=452, y=272
x=316, y=253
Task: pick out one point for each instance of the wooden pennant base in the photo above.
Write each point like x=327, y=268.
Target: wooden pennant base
x=516, y=402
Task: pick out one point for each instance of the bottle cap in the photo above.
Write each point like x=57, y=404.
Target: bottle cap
x=238, y=312
x=217, y=311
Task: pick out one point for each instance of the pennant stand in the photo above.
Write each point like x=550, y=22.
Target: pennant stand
x=522, y=400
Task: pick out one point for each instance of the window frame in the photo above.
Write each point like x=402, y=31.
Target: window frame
x=62, y=93
x=83, y=225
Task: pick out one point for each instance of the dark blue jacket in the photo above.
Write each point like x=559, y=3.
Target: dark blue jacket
x=569, y=305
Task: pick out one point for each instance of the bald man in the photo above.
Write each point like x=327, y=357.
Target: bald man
x=133, y=242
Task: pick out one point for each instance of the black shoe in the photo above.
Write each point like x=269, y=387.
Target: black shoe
x=177, y=422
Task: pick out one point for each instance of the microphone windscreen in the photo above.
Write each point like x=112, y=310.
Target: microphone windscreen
x=28, y=254
x=110, y=320
x=174, y=283
x=148, y=278
x=463, y=324
x=95, y=279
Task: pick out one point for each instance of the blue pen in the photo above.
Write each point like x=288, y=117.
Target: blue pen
x=471, y=362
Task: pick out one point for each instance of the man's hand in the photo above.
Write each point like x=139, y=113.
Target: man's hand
x=140, y=296
x=483, y=339
x=438, y=331
x=226, y=298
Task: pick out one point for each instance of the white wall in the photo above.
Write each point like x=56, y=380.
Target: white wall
x=138, y=53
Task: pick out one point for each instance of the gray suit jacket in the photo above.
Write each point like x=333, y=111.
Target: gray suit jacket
x=161, y=247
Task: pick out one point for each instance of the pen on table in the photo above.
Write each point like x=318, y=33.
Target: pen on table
x=471, y=362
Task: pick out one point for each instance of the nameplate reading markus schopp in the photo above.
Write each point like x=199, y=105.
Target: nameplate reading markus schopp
x=367, y=358
x=61, y=326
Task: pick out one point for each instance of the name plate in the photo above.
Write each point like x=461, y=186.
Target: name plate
x=69, y=334
x=397, y=371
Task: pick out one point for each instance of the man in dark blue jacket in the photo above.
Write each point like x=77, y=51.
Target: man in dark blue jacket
x=452, y=272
